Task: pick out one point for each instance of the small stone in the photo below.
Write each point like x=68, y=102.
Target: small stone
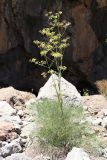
x=104, y=122
x=5, y=151
x=100, y=114
x=4, y=143
x=20, y=113
x=5, y=129
x=23, y=142
x=12, y=136
x=105, y=112
x=97, y=121
x=77, y=154
x=104, y=152
x=17, y=128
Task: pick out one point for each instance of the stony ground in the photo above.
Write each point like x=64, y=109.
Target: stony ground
x=16, y=125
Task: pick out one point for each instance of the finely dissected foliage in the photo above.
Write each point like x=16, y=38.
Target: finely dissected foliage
x=53, y=45
x=60, y=126
x=52, y=50
x=102, y=87
x=75, y=132
x=85, y=92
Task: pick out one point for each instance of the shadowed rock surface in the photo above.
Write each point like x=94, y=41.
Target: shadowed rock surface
x=86, y=58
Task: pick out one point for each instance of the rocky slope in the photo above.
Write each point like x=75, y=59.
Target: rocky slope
x=17, y=123
x=86, y=57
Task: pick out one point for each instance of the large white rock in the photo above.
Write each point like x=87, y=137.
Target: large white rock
x=70, y=95
x=6, y=109
x=77, y=154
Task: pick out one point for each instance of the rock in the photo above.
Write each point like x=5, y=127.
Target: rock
x=20, y=113
x=11, y=148
x=104, y=152
x=23, y=142
x=5, y=129
x=105, y=112
x=18, y=156
x=1, y=158
x=6, y=109
x=12, y=135
x=16, y=146
x=28, y=129
x=69, y=93
x=4, y=143
x=16, y=31
x=97, y=121
x=104, y=122
x=77, y=154
x=81, y=16
x=5, y=151
x=14, y=101
x=7, y=93
x=31, y=101
x=100, y=114
x=13, y=119
x=17, y=128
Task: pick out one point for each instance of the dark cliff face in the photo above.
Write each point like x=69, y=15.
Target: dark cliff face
x=86, y=58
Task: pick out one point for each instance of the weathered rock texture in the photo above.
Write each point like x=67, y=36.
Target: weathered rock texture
x=20, y=21
x=70, y=95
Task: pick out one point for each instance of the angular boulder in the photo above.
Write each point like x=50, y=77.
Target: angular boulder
x=69, y=93
x=77, y=154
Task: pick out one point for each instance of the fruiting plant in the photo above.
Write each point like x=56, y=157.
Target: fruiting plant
x=60, y=125
x=53, y=46
x=52, y=51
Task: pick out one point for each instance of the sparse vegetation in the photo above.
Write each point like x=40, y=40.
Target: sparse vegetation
x=60, y=126
x=52, y=50
x=52, y=132
x=85, y=92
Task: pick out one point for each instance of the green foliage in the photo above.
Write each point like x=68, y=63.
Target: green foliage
x=85, y=92
x=53, y=44
x=73, y=131
x=60, y=126
x=52, y=50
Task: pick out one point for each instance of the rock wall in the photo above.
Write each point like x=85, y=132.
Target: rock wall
x=20, y=21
